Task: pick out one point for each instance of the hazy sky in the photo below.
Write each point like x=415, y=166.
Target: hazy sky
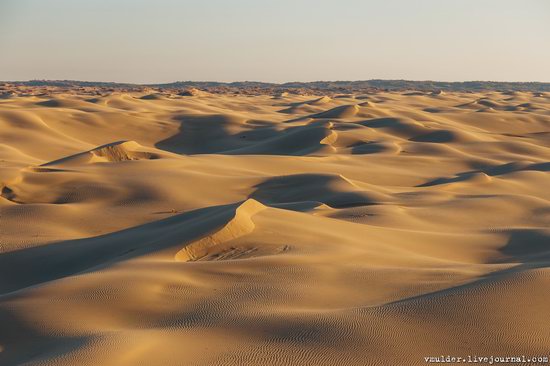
x=281, y=40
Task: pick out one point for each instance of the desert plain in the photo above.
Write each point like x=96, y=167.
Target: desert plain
x=153, y=228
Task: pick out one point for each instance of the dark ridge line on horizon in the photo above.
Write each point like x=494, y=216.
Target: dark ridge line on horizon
x=379, y=84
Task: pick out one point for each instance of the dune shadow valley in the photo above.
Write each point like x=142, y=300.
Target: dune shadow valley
x=253, y=226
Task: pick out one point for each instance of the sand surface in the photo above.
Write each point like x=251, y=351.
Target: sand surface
x=158, y=229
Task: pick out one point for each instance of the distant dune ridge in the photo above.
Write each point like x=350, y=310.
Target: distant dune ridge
x=253, y=224
x=190, y=87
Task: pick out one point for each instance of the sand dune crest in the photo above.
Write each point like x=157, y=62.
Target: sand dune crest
x=211, y=245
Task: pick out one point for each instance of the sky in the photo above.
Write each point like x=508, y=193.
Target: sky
x=156, y=41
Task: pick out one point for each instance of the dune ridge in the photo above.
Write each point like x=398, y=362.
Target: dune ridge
x=241, y=224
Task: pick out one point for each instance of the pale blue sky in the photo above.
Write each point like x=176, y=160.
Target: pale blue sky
x=284, y=40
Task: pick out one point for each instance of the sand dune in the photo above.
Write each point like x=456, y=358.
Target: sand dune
x=192, y=228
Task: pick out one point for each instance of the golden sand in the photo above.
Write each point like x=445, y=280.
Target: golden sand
x=201, y=229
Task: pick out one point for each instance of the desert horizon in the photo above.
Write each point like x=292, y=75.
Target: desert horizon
x=289, y=183
x=344, y=85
